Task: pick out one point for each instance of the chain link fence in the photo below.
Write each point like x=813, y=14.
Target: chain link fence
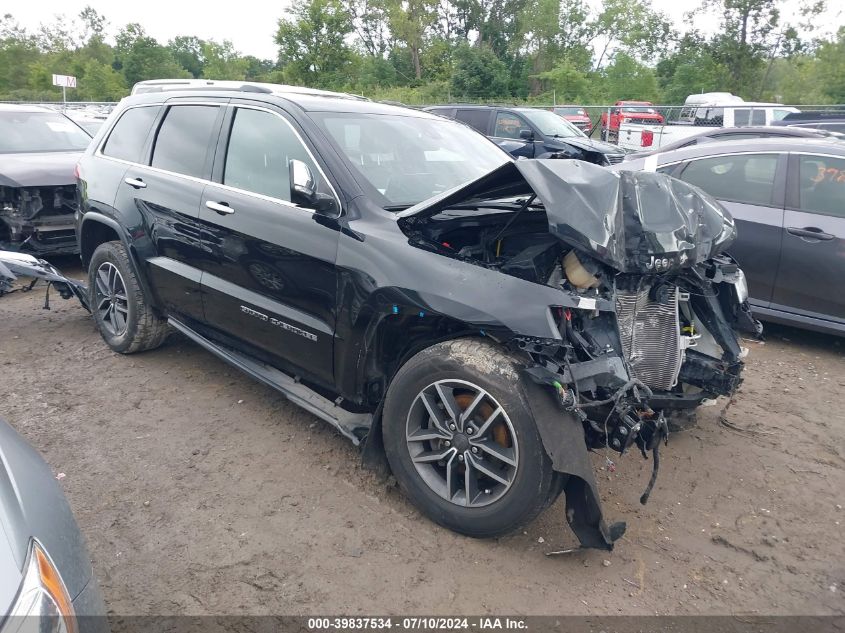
x=632, y=125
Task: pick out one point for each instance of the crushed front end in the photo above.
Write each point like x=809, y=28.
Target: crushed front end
x=38, y=219
x=645, y=321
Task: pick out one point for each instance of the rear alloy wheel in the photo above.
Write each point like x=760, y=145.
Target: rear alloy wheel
x=461, y=440
x=125, y=320
x=111, y=302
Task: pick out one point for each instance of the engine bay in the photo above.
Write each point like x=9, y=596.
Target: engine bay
x=38, y=219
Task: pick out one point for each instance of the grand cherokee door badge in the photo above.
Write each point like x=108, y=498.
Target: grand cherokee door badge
x=273, y=321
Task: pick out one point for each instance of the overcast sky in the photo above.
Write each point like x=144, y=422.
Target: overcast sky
x=251, y=24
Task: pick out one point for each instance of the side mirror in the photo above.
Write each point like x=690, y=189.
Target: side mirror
x=303, y=189
x=301, y=181
x=526, y=135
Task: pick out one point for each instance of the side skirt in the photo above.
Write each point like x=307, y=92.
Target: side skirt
x=346, y=422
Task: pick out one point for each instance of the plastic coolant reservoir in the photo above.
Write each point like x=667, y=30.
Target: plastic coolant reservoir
x=577, y=275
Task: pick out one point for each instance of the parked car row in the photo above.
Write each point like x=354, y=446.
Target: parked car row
x=475, y=321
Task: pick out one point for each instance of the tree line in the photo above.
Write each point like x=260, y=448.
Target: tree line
x=428, y=51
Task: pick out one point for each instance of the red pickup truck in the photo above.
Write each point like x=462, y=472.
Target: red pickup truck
x=628, y=112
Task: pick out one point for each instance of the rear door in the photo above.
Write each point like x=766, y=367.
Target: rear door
x=269, y=277
x=476, y=118
x=751, y=187
x=811, y=276
x=167, y=189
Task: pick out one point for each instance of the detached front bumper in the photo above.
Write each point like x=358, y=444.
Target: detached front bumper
x=563, y=439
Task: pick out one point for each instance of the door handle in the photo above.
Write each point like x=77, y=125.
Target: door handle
x=810, y=232
x=135, y=182
x=220, y=207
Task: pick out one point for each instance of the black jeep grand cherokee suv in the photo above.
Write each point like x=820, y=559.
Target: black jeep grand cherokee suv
x=481, y=321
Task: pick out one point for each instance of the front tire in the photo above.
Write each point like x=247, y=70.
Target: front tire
x=462, y=443
x=125, y=320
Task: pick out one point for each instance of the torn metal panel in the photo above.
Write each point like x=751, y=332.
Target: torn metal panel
x=14, y=265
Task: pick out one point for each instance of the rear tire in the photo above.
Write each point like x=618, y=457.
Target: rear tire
x=122, y=314
x=495, y=475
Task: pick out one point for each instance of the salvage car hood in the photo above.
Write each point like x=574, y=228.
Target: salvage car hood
x=38, y=169
x=632, y=221
x=589, y=145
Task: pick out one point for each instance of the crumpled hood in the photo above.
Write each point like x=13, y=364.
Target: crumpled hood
x=632, y=221
x=38, y=169
x=589, y=145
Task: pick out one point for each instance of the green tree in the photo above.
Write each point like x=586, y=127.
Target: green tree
x=690, y=68
x=630, y=26
x=312, y=43
x=188, y=53
x=222, y=61
x=100, y=82
x=478, y=73
x=830, y=68
x=409, y=21
x=626, y=78
x=141, y=57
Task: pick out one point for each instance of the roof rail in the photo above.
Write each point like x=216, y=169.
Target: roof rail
x=167, y=85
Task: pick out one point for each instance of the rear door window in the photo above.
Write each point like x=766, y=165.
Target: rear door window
x=127, y=138
x=747, y=178
x=183, y=139
x=478, y=119
x=822, y=185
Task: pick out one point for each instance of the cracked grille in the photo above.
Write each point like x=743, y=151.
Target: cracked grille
x=651, y=337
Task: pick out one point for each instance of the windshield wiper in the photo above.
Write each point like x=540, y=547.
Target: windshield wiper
x=397, y=207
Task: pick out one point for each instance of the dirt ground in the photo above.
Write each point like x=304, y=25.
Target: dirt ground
x=201, y=491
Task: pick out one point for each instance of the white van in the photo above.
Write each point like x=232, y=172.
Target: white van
x=742, y=113
x=693, y=102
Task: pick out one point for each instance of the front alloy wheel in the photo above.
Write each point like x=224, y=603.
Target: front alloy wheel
x=462, y=443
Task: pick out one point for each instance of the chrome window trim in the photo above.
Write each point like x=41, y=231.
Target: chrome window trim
x=777, y=153
x=99, y=154
x=743, y=153
x=301, y=142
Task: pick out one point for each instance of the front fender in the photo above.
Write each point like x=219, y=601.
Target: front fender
x=563, y=439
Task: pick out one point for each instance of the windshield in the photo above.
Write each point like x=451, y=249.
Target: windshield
x=408, y=159
x=645, y=109
x=551, y=124
x=40, y=132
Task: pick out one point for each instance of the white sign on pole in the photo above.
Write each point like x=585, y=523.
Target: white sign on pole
x=65, y=81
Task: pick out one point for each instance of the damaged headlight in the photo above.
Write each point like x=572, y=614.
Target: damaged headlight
x=741, y=287
x=43, y=604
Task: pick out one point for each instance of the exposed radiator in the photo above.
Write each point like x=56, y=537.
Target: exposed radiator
x=651, y=336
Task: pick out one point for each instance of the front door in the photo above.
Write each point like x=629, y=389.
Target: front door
x=750, y=187
x=269, y=275
x=811, y=276
x=510, y=126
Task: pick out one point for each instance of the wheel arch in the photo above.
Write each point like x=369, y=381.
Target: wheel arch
x=96, y=229
x=391, y=347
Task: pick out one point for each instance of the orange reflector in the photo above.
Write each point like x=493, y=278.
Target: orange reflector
x=53, y=585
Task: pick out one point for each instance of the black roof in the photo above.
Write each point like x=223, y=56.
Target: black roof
x=307, y=102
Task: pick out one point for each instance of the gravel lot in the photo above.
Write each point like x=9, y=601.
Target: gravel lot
x=201, y=491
